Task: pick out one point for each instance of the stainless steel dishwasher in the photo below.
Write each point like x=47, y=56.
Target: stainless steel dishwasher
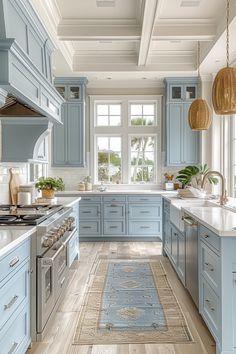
x=191, y=234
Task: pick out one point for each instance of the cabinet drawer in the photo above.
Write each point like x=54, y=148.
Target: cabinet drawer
x=144, y=198
x=114, y=198
x=14, y=259
x=166, y=206
x=145, y=211
x=90, y=199
x=210, y=266
x=114, y=211
x=114, y=227
x=15, y=337
x=144, y=228
x=13, y=293
x=210, y=237
x=89, y=228
x=210, y=307
x=89, y=211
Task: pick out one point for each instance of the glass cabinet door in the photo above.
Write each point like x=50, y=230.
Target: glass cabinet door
x=190, y=92
x=74, y=93
x=62, y=91
x=176, y=92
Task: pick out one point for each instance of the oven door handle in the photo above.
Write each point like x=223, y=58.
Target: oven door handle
x=69, y=236
x=47, y=261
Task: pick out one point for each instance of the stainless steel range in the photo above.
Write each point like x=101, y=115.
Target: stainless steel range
x=56, y=229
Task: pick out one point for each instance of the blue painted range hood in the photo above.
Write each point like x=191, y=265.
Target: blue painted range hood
x=26, y=87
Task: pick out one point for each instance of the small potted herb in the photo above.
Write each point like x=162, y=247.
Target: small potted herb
x=49, y=185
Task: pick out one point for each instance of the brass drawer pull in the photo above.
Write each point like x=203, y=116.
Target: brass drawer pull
x=113, y=227
x=14, y=261
x=9, y=305
x=144, y=227
x=113, y=211
x=144, y=212
x=86, y=227
x=114, y=206
x=86, y=212
x=14, y=346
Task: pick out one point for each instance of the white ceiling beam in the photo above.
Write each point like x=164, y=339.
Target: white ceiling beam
x=87, y=30
x=149, y=18
x=177, y=30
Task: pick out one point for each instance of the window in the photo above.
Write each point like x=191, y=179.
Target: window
x=125, y=139
x=142, y=158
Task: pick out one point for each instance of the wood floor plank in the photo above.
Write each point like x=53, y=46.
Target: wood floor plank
x=59, y=338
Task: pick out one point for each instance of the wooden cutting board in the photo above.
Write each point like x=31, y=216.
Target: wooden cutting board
x=14, y=184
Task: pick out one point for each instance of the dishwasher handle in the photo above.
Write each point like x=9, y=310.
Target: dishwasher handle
x=189, y=221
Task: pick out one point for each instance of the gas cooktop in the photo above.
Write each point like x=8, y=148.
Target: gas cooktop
x=25, y=215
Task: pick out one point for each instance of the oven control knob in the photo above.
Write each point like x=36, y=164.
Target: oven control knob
x=53, y=235
x=47, y=241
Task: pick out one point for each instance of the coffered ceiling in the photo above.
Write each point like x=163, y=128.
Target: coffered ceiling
x=136, y=39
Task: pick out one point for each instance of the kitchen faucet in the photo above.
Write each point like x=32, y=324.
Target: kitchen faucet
x=223, y=197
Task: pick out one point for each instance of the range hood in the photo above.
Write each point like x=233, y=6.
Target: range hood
x=14, y=108
x=26, y=84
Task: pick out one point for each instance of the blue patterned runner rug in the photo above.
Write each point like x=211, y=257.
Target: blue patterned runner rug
x=131, y=302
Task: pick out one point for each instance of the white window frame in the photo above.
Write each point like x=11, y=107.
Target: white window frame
x=121, y=130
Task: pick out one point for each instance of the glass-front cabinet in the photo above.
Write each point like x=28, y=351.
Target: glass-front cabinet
x=68, y=142
x=70, y=92
x=182, y=92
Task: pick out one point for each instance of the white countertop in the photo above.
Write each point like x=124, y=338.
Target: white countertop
x=13, y=236
x=118, y=191
x=218, y=219
x=67, y=201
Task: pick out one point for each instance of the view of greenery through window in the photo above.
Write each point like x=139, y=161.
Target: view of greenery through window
x=109, y=159
x=142, y=158
x=125, y=141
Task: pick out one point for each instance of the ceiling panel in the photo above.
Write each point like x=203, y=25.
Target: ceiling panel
x=87, y=9
x=206, y=9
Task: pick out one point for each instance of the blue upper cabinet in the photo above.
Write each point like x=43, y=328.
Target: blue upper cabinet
x=69, y=139
x=182, y=144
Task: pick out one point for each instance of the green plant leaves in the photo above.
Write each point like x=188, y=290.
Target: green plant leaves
x=185, y=175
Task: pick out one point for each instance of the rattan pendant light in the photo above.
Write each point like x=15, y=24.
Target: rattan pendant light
x=224, y=86
x=199, y=116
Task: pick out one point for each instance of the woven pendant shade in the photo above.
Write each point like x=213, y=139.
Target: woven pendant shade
x=224, y=91
x=199, y=116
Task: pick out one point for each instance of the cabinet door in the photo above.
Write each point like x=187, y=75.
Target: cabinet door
x=176, y=92
x=190, y=92
x=174, y=245
x=190, y=140
x=74, y=92
x=174, y=134
x=59, y=140
x=181, y=256
x=75, y=134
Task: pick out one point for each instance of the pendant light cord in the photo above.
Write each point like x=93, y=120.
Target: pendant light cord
x=198, y=58
x=227, y=32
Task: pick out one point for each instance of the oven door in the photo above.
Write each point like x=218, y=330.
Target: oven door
x=50, y=271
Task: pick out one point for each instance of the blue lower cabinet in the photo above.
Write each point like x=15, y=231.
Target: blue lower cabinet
x=90, y=228
x=15, y=300
x=15, y=336
x=114, y=228
x=121, y=216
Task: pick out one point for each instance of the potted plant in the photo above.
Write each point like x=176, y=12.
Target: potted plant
x=193, y=175
x=49, y=185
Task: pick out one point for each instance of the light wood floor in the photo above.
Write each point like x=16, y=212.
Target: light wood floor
x=60, y=335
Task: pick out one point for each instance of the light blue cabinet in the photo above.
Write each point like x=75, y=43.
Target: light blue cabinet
x=182, y=144
x=134, y=216
x=15, y=300
x=68, y=148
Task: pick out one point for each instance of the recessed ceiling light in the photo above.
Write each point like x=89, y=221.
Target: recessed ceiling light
x=217, y=60
x=190, y=3
x=108, y=78
x=105, y=3
x=144, y=78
